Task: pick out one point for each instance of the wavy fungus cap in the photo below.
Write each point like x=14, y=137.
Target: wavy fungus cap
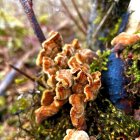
x=77, y=112
x=68, y=78
x=125, y=39
x=47, y=111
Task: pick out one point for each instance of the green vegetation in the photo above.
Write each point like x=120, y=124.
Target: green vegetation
x=131, y=57
x=109, y=123
x=100, y=63
x=104, y=121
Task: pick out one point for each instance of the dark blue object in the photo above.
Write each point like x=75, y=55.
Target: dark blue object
x=114, y=81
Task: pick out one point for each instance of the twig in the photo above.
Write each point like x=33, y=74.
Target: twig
x=79, y=14
x=27, y=5
x=27, y=75
x=103, y=20
x=12, y=74
x=21, y=72
x=72, y=17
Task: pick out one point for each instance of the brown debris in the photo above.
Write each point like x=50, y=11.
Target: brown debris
x=48, y=66
x=65, y=77
x=51, y=82
x=77, y=88
x=137, y=114
x=91, y=90
x=76, y=66
x=61, y=60
x=62, y=93
x=76, y=45
x=69, y=50
x=40, y=56
x=54, y=41
x=81, y=78
x=86, y=56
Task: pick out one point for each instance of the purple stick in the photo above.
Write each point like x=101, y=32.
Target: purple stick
x=27, y=5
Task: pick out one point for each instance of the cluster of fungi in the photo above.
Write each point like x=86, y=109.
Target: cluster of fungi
x=68, y=79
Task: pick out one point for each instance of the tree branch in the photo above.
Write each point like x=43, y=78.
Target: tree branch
x=103, y=21
x=27, y=75
x=27, y=5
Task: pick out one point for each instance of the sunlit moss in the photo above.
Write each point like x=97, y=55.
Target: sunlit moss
x=107, y=122
x=20, y=80
x=55, y=127
x=104, y=121
x=20, y=105
x=2, y=101
x=100, y=63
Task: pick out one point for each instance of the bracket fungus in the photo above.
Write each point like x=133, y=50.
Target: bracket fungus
x=68, y=79
x=123, y=40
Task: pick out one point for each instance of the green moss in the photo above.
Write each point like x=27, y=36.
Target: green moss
x=2, y=101
x=20, y=105
x=100, y=63
x=134, y=68
x=131, y=57
x=55, y=127
x=104, y=121
x=113, y=31
x=107, y=122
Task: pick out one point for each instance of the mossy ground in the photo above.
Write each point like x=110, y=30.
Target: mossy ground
x=104, y=121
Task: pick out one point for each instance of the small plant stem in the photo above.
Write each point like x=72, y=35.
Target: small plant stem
x=72, y=17
x=27, y=5
x=79, y=14
x=26, y=75
x=103, y=21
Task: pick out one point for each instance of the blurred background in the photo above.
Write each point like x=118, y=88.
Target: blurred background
x=17, y=36
x=19, y=45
